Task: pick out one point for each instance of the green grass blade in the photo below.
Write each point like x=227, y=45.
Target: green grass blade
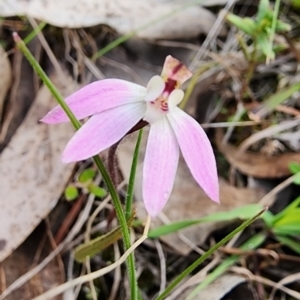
x=277, y=98
x=207, y=254
x=131, y=34
x=287, y=241
x=33, y=33
x=241, y=213
x=130, y=189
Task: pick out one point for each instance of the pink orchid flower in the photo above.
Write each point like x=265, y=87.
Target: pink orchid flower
x=116, y=106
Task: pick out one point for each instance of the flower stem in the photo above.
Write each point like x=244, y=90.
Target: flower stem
x=36, y=66
x=130, y=189
x=207, y=254
x=114, y=195
x=112, y=163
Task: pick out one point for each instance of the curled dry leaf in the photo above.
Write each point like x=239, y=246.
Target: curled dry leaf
x=32, y=175
x=187, y=201
x=5, y=78
x=257, y=164
x=124, y=16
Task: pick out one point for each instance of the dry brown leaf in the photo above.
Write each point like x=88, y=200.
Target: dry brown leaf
x=5, y=78
x=124, y=16
x=23, y=259
x=187, y=201
x=32, y=175
x=257, y=164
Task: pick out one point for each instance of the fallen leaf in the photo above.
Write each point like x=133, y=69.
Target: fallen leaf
x=245, y=291
x=124, y=16
x=187, y=201
x=32, y=175
x=22, y=260
x=217, y=289
x=292, y=139
x=257, y=164
x=5, y=78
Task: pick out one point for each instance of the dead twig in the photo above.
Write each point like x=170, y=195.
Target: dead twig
x=68, y=221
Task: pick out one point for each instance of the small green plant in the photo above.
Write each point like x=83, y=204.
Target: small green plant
x=295, y=169
x=86, y=184
x=88, y=293
x=261, y=30
x=256, y=39
x=71, y=192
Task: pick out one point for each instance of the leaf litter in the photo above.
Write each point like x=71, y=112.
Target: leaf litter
x=188, y=201
x=5, y=79
x=31, y=171
x=123, y=16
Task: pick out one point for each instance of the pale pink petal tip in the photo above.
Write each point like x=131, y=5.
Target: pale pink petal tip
x=212, y=190
x=16, y=37
x=97, y=97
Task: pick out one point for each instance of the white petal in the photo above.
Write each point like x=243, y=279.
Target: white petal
x=153, y=114
x=175, y=98
x=155, y=87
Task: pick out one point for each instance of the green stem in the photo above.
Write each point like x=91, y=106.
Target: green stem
x=243, y=46
x=207, y=254
x=114, y=195
x=113, y=44
x=130, y=189
x=274, y=21
x=36, y=66
x=35, y=31
x=128, y=212
x=250, y=71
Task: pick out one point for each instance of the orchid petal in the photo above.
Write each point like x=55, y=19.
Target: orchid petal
x=97, y=97
x=155, y=87
x=102, y=131
x=197, y=151
x=152, y=114
x=175, y=98
x=160, y=165
x=175, y=70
